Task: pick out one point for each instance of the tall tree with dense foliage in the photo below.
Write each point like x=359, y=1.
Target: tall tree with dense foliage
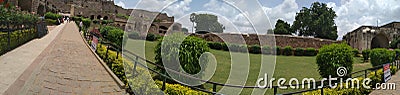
x=317, y=21
x=206, y=22
x=282, y=27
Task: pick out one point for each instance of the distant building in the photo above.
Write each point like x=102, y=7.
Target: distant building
x=103, y=9
x=369, y=37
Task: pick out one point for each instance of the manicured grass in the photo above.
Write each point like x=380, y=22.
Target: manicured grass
x=286, y=66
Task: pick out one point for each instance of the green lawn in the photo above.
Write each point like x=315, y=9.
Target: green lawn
x=286, y=66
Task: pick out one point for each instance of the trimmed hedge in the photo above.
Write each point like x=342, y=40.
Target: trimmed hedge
x=134, y=35
x=110, y=58
x=365, y=54
x=331, y=57
x=310, y=52
x=266, y=50
x=299, y=52
x=256, y=49
x=288, y=51
x=53, y=16
x=17, y=38
x=152, y=37
x=177, y=89
x=381, y=56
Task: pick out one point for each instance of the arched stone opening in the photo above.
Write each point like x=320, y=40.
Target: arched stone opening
x=105, y=18
x=91, y=17
x=99, y=16
x=379, y=41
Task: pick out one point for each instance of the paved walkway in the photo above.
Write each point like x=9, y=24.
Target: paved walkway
x=14, y=63
x=395, y=79
x=66, y=66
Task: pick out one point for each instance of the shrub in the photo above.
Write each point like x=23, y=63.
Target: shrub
x=365, y=54
x=355, y=52
x=86, y=22
x=115, y=64
x=256, y=49
x=299, y=52
x=278, y=50
x=52, y=16
x=134, y=35
x=310, y=52
x=189, y=51
x=51, y=22
x=224, y=46
x=266, y=50
x=177, y=89
x=151, y=37
x=237, y=47
x=112, y=34
x=215, y=45
x=288, y=51
x=333, y=56
x=381, y=56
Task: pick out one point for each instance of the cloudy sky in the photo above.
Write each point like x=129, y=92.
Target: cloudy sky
x=245, y=16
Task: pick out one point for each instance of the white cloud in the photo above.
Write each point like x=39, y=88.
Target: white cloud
x=122, y=4
x=285, y=11
x=354, y=13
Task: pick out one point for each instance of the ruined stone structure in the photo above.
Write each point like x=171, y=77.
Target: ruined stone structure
x=143, y=21
x=98, y=10
x=280, y=40
x=369, y=37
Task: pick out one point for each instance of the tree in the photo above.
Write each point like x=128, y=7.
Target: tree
x=317, y=21
x=282, y=27
x=206, y=22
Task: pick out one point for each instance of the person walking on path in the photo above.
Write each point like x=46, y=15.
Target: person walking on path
x=80, y=26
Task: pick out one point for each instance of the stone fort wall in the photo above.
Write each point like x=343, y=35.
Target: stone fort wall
x=280, y=40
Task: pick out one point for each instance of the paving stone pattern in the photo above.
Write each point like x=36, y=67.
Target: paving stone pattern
x=70, y=68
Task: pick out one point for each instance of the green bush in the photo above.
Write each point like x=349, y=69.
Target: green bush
x=215, y=45
x=299, y=52
x=310, y=52
x=112, y=34
x=86, y=22
x=17, y=38
x=177, y=89
x=331, y=57
x=256, y=49
x=152, y=37
x=51, y=22
x=52, y=16
x=134, y=35
x=189, y=51
x=381, y=56
x=278, y=50
x=237, y=47
x=355, y=52
x=224, y=46
x=365, y=54
x=266, y=50
x=288, y=51
x=110, y=58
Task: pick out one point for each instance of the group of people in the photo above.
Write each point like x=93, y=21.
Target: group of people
x=62, y=20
